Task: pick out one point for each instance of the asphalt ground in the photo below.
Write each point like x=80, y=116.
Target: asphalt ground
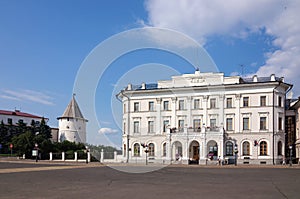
x=50, y=180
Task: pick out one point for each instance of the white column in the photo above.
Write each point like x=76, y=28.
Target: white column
x=102, y=156
x=158, y=116
x=115, y=156
x=205, y=98
x=173, y=108
x=238, y=114
x=75, y=156
x=89, y=156
x=63, y=156
x=221, y=110
x=189, y=115
x=51, y=156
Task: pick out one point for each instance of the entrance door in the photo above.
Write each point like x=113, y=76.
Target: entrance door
x=194, y=152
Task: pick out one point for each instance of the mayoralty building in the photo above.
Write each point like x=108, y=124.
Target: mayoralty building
x=201, y=117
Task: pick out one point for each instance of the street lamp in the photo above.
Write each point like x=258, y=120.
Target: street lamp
x=146, y=151
x=291, y=151
x=37, y=151
x=235, y=154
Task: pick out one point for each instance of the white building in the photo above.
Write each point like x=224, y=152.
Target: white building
x=13, y=117
x=72, y=124
x=209, y=116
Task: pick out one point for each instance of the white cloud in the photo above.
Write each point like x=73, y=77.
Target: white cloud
x=107, y=131
x=201, y=19
x=27, y=95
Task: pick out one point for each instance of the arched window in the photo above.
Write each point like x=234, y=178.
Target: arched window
x=246, y=148
x=136, y=149
x=151, y=149
x=165, y=149
x=263, y=148
x=229, y=149
x=279, y=148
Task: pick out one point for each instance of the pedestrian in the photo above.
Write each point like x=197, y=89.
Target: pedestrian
x=219, y=161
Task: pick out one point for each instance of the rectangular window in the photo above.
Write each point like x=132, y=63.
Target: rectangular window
x=196, y=124
x=196, y=103
x=280, y=123
x=229, y=102
x=213, y=123
x=124, y=108
x=166, y=105
x=150, y=126
x=136, y=127
x=263, y=100
x=229, y=124
x=9, y=120
x=213, y=103
x=166, y=123
x=263, y=123
x=136, y=106
x=180, y=125
x=245, y=101
x=246, y=123
x=181, y=105
x=151, y=106
x=279, y=101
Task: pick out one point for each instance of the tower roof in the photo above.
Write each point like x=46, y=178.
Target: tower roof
x=72, y=110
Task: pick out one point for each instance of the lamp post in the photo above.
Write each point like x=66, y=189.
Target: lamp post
x=145, y=146
x=291, y=150
x=235, y=154
x=37, y=151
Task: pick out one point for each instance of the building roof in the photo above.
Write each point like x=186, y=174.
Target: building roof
x=72, y=110
x=19, y=113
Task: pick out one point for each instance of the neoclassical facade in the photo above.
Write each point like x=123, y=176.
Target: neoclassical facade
x=203, y=116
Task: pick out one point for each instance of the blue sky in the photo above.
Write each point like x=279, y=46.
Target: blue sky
x=44, y=43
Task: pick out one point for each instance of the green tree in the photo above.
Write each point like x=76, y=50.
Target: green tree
x=23, y=143
x=3, y=136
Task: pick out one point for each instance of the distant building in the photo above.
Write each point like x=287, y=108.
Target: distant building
x=72, y=124
x=292, y=130
x=203, y=116
x=13, y=117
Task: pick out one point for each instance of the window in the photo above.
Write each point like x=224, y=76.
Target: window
x=279, y=101
x=279, y=148
x=263, y=148
x=245, y=101
x=136, y=107
x=136, y=149
x=213, y=103
x=263, y=123
x=181, y=105
x=246, y=123
x=165, y=149
x=229, y=102
x=124, y=128
x=246, y=148
x=213, y=123
x=9, y=120
x=196, y=103
x=280, y=123
x=229, y=124
x=136, y=127
x=151, y=149
x=124, y=108
x=263, y=100
x=229, y=149
x=151, y=106
x=150, y=126
x=166, y=105
x=180, y=125
x=166, y=123
x=197, y=125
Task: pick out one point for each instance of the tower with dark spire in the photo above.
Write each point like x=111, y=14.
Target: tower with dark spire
x=72, y=124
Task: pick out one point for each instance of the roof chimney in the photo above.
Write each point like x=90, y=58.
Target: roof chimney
x=254, y=78
x=273, y=78
x=143, y=85
x=129, y=87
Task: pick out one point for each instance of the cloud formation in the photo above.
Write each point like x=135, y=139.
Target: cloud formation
x=107, y=131
x=201, y=19
x=27, y=95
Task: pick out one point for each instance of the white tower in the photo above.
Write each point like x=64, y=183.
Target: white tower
x=72, y=125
